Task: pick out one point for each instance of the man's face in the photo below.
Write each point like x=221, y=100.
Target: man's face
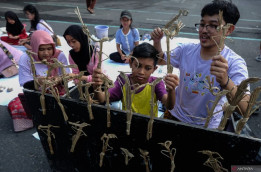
x=208, y=31
x=142, y=70
x=45, y=51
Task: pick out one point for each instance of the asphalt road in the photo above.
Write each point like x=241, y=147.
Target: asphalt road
x=20, y=152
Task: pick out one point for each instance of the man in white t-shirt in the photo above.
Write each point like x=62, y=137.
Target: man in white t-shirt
x=197, y=61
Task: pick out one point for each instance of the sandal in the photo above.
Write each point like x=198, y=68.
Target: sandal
x=258, y=58
x=90, y=10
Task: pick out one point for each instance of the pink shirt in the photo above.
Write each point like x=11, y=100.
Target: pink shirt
x=90, y=66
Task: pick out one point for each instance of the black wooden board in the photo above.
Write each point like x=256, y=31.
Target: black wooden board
x=187, y=139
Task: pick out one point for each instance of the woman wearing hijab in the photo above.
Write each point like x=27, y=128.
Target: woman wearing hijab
x=82, y=53
x=15, y=29
x=42, y=44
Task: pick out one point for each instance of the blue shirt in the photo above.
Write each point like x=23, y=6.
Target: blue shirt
x=127, y=41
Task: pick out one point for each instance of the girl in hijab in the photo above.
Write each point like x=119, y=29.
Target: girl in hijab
x=42, y=44
x=15, y=29
x=82, y=53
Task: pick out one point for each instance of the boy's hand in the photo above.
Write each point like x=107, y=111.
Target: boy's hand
x=219, y=68
x=156, y=35
x=171, y=81
x=97, y=77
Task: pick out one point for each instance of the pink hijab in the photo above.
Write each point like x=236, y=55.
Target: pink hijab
x=41, y=37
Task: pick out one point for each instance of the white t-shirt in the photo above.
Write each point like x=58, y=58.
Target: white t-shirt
x=40, y=26
x=191, y=94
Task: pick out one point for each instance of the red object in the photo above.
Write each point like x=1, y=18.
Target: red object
x=8, y=40
x=21, y=120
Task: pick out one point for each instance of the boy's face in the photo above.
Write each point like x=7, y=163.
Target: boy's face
x=209, y=30
x=141, y=71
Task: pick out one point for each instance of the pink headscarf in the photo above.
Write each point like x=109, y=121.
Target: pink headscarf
x=41, y=37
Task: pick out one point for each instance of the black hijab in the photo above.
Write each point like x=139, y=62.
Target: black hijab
x=81, y=58
x=16, y=28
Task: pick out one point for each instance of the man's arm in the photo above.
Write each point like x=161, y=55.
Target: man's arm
x=219, y=68
x=156, y=36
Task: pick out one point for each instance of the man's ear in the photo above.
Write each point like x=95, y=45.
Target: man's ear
x=230, y=30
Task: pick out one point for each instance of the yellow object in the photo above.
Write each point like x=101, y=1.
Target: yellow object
x=141, y=101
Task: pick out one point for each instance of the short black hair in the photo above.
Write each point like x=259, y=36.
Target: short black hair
x=230, y=10
x=145, y=50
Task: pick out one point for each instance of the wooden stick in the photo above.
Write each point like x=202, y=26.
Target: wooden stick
x=47, y=131
x=79, y=132
x=212, y=162
x=241, y=89
x=145, y=155
x=219, y=94
x=170, y=153
x=105, y=139
x=249, y=111
x=152, y=113
x=127, y=155
x=224, y=29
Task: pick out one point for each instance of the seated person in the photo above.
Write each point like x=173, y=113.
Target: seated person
x=37, y=23
x=127, y=37
x=42, y=44
x=142, y=68
x=15, y=29
x=82, y=54
x=7, y=52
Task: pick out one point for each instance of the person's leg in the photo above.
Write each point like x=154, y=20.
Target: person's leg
x=88, y=4
x=116, y=57
x=93, y=4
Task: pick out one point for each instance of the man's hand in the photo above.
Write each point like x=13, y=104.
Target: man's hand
x=171, y=81
x=219, y=68
x=157, y=35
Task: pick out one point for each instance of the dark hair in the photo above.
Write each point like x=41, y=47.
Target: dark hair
x=33, y=10
x=81, y=58
x=230, y=10
x=16, y=28
x=146, y=50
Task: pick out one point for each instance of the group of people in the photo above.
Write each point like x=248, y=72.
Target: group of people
x=185, y=96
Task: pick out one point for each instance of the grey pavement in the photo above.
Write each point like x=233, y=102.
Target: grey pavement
x=20, y=152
